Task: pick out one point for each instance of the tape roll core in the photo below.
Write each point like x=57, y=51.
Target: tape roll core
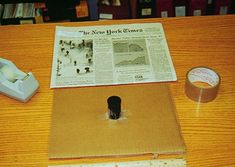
x=8, y=73
x=202, y=84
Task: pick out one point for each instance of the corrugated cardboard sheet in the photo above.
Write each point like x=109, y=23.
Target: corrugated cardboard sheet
x=81, y=128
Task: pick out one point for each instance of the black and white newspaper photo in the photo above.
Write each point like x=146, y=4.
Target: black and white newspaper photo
x=108, y=55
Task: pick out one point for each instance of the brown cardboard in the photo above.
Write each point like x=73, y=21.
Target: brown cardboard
x=80, y=127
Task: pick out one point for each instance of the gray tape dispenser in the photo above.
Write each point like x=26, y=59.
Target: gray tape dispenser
x=15, y=83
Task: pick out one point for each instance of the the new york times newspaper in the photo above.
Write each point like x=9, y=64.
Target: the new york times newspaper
x=108, y=55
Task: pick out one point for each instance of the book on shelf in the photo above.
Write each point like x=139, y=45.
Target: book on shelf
x=116, y=9
x=8, y=11
x=93, y=9
x=20, y=1
x=164, y=8
x=1, y=11
x=145, y=8
x=133, y=8
x=70, y=10
x=197, y=7
x=60, y=4
x=39, y=12
x=21, y=10
x=82, y=10
x=222, y=7
x=210, y=7
x=53, y=15
x=233, y=7
x=180, y=8
x=61, y=10
x=20, y=13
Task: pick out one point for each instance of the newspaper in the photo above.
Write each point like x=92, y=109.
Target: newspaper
x=108, y=55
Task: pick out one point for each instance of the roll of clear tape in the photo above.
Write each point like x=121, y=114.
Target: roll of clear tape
x=8, y=73
x=202, y=84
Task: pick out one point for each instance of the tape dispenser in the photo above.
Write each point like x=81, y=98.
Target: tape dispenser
x=15, y=83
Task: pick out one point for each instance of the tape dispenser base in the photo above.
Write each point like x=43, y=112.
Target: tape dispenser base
x=15, y=83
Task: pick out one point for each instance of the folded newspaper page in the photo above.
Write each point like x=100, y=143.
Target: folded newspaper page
x=108, y=55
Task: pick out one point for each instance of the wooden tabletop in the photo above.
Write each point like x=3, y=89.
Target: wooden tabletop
x=208, y=129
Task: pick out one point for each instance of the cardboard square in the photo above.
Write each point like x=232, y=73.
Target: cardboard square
x=81, y=127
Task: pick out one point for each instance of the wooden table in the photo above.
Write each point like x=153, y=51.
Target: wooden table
x=208, y=129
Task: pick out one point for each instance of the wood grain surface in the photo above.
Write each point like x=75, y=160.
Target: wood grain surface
x=208, y=129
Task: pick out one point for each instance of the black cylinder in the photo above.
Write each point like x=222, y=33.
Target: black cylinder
x=114, y=105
